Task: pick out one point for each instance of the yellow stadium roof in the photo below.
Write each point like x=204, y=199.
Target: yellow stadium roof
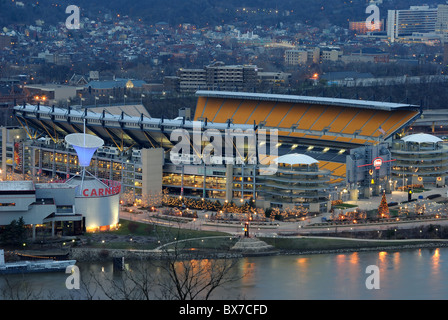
x=341, y=120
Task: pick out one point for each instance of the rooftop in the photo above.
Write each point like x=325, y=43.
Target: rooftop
x=388, y=106
x=50, y=87
x=16, y=186
x=422, y=138
x=88, y=114
x=52, y=186
x=117, y=83
x=133, y=110
x=296, y=158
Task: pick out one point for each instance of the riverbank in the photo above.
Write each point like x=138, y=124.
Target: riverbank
x=151, y=242
x=429, y=245
x=281, y=246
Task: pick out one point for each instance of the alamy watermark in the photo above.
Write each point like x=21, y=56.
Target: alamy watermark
x=73, y=281
x=231, y=146
x=73, y=21
x=373, y=280
x=373, y=21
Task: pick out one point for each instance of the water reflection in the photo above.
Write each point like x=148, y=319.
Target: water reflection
x=435, y=259
x=382, y=256
x=247, y=273
x=405, y=274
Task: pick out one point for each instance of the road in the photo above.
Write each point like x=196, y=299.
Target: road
x=271, y=229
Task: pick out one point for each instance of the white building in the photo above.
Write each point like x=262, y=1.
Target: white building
x=442, y=22
x=39, y=204
x=67, y=208
x=416, y=19
x=420, y=159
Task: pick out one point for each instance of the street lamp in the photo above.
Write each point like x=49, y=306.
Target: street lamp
x=246, y=229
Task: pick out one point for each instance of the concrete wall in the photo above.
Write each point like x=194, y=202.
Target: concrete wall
x=92, y=254
x=21, y=202
x=4, y=135
x=9, y=136
x=152, y=170
x=229, y=182
x=35, y=214
x=99, y=211
x=62, y=196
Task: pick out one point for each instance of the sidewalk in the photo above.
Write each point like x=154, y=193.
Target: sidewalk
x=396, y=196
x=202, y=223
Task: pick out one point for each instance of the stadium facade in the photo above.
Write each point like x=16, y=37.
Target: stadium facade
x=421, y=159
x=348, y=141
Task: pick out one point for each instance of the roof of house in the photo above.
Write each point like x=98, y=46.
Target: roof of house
x=117, y=83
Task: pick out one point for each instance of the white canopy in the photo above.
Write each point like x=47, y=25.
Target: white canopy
x=422, y=138
x=84, y=140
x=85, y=146
x=296, y=158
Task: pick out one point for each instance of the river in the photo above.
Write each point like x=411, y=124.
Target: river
x=403, y=274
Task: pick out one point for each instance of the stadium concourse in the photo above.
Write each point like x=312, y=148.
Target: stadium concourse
x=348, y=139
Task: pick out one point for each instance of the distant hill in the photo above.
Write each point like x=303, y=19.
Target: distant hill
x=213, y=12
x=202, y=12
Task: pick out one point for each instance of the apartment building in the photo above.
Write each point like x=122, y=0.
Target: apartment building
x=296, y=57
x=415, y=20
x=216, y=76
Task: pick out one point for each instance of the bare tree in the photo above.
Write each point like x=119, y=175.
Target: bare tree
x=131, y=284
x=17, y=289
x=179, y=274
x=187, y=277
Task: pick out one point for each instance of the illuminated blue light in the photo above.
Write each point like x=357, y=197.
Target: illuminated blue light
x=84, y=155
x=85, y=146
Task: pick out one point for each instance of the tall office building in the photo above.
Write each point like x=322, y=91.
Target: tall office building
x=442, y=22
x=218, y=76
x=416, y=19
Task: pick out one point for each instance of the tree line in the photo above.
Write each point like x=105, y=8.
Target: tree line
x=13, y=234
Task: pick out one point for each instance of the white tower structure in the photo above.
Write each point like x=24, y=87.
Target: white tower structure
x=97, y=200
x=85, y=146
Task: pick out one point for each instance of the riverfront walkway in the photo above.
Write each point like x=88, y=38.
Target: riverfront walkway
x=307, y=227
x=192, y=239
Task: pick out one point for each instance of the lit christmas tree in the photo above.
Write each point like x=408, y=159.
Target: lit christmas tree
x=383, y=209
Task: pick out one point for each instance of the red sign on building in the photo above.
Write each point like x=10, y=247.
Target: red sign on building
x=376, y=163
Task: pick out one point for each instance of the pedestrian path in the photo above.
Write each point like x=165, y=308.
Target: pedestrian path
x=191, y=239
x=395, y=196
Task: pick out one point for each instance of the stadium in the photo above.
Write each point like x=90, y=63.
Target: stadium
x=344, y=145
